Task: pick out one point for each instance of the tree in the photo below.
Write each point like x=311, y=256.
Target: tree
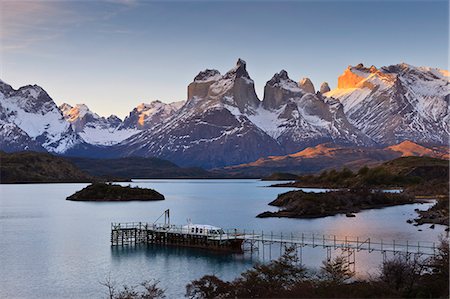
x=267, y=280
x=363, y=171
x=209, y=286
x=336, y=271
x=110, y=285
x=402, y=273
x=263, y=280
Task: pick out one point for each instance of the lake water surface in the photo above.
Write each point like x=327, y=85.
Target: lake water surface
x=53, y=248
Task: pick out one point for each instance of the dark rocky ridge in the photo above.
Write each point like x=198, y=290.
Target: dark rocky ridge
x=32, y=167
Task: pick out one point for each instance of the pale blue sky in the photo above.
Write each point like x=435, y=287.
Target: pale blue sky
x=113, y=55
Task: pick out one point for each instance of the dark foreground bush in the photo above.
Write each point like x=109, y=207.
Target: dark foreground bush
x=400, y=277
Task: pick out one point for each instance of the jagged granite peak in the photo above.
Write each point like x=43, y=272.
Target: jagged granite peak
x=241, y=69
x=324, y=88
x=235, y=88
x=208, y=75
x=307, y=85
x=278, y=78
x=279, y=89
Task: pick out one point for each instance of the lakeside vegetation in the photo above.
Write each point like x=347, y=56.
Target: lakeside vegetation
x=113, y=192
x=416, y=174
x=400, y=277
x=418, y=177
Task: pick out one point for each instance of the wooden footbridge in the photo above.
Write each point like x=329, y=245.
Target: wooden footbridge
x=240, y=241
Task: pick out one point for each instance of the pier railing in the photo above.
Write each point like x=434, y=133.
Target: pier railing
x=292, y=239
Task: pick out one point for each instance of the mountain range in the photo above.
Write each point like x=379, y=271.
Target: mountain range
x=224, y=123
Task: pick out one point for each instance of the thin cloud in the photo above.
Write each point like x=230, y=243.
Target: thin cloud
x=25, y=23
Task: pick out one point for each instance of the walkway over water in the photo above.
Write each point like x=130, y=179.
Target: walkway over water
x=139, y=232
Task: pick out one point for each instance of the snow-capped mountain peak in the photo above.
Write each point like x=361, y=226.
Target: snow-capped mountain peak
x=148, y=115
x=73, y=114
x=35, y=116
x=396, y=103
x=94, y=129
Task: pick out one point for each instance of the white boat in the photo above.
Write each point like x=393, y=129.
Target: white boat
x=202, y=230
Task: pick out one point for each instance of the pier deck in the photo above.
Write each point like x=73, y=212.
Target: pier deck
x=234, y=240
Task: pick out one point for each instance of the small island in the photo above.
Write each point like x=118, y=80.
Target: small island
x=114, y=192
x=300, y=204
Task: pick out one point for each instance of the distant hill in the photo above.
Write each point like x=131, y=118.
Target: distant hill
x=408, y=148
x=137, y=168
x=331, y=156
x=34, y=167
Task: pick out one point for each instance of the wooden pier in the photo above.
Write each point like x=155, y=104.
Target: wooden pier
x=234, y=240
x=137, y=233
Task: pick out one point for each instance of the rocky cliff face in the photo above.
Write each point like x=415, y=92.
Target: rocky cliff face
x=307, y=85
x=202, y=82
x=324, y=88
x=235, y=88
x=279, y=90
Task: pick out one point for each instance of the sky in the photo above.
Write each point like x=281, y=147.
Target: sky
x=113, y=55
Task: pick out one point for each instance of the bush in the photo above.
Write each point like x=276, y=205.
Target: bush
x=401, y=273
x=147, y=290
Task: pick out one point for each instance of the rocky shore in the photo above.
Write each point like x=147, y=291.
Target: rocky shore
x=300, y=204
